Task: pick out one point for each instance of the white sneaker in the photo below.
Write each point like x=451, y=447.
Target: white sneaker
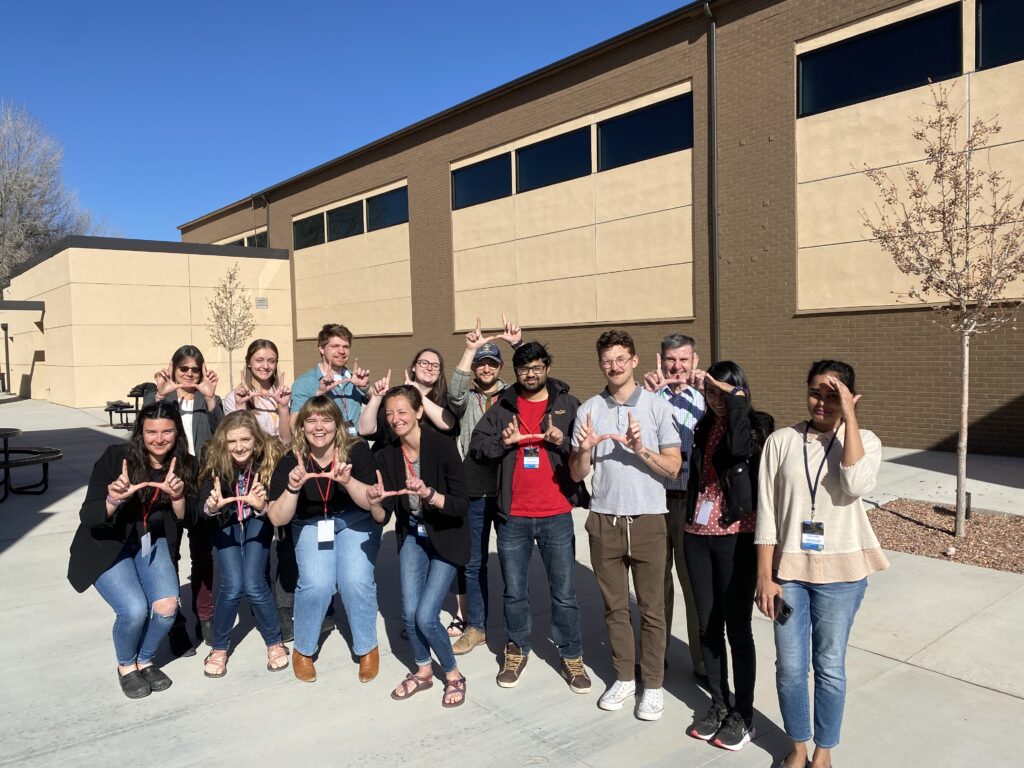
x=652, y=704
x=615, y=696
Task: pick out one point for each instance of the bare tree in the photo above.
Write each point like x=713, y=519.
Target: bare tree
x=957, y=226
x=230, y=320
x=36, y=209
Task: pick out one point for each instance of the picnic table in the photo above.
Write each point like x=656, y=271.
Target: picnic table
x=24, y=456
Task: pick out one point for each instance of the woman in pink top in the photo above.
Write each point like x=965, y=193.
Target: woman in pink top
x=815, y=549
x=262, y=390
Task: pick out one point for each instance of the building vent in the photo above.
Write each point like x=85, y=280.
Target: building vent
x=262, y=302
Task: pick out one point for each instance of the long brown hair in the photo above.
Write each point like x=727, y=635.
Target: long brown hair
x=438, y=393
x=217, y=459
x=139, y=468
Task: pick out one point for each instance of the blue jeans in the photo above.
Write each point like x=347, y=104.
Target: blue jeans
x=473, y=577
x=556, y=539
x=346, y=567
x=426, y=577
x=131, y=586
x=815, y=635
x=242, y=563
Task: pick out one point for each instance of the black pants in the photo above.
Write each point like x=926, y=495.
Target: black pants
x=723, y=571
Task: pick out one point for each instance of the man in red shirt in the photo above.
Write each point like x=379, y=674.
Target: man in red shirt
x=528, y=431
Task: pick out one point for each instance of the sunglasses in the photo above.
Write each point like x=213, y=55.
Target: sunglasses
x=189, y=369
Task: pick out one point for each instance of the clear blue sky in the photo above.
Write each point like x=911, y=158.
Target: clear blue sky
x=167, y=112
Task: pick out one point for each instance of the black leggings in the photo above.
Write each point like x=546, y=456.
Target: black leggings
x=723, y=571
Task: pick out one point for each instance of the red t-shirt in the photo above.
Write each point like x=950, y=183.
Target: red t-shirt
x=535, y=491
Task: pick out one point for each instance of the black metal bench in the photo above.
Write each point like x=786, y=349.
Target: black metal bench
x=27, y=457
x=122, y=409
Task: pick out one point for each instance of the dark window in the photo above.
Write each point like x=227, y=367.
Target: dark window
x=1000, y=32
x=645, y=133
x=908, y=54
x=257, y=241
x=308, y=231
x=345, y=221
x=482, y=182
x=237, y=242
x=549, y=162
x=387, y=209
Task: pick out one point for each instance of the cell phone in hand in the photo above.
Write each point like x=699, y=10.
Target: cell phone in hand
x=783, y=610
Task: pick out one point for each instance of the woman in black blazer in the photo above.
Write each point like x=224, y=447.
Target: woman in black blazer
x=423, y=483
x=136, y=497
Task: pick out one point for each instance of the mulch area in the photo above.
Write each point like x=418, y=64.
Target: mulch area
x=993, y=540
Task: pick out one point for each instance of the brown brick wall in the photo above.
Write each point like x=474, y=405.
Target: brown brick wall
x=907, y=363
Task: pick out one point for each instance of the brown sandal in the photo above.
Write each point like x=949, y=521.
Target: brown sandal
x=456, y=686
x=418, y=684
x=275, y=652
x=219, y=661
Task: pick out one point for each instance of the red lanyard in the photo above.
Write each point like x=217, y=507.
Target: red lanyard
x=146, y=507
x=527, y=431
x=324, y=495
x=408, y=465
x=238, y=494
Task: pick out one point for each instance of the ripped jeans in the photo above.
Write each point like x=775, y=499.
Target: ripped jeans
x=131, y=586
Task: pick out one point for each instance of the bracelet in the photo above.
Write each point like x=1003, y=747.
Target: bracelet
x=430, y=496
x=292, y=490
x=115, y=502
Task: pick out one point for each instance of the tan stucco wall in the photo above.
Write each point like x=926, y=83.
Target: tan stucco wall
x=113, y=317
x=839, y=266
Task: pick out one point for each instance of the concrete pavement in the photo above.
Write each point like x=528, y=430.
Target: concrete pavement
x=933, y=678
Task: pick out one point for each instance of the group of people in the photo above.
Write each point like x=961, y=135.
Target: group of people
x=683, y=471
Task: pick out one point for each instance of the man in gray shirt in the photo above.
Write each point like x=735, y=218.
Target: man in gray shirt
x=629, y=436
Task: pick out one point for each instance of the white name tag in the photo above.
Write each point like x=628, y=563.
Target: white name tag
x=531, y=458
x=146, y=544
x=353, y=431
x=704, y=513
x=325, y=531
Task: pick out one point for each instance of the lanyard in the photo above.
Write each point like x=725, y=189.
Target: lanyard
x=481, y=399
x=408, y=465
x=241, y=488
x=324, y=495
x=813, y=487
x=146, y=507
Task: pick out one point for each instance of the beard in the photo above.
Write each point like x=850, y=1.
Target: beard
x=535, y=387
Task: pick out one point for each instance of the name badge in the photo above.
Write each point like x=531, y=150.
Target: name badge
x=146, y=544
x=704, y=513
x=812, y=536
x=353, y=432
x=421, y=530
x=325, y=533
x=531, y=457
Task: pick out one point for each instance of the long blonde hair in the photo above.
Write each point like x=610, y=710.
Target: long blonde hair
x=247, y=378
x=321, y=405
x=217, y=459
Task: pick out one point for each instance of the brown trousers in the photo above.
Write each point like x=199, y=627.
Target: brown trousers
x=618, y=546
x=676, y=524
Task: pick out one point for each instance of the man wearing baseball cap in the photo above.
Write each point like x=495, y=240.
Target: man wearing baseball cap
x=474, y=387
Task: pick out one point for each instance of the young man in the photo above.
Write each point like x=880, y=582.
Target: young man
x=527, y=430
x=629, y=436
x=474, y=389
x=671, y=380
x=331, y=377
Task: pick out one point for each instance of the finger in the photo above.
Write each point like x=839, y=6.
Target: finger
x=380, y=480
x=387, y=379
x=478, y=327
x=855, y=399
x=504, y=321
x=550, y=423
x=659, y=361
x=170, y=469
x=632, y=421
x=124, y=468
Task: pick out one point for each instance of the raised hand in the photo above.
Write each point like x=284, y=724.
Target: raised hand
x=341, y=471
x=512, y=333
x=298, y=476
x=553, y=434
x=375, y=493
x=655, y=380
x=586, y=437
x=208, y=386
x=122, y=488
x=256, y=498
x=172, y=485
x=165, y=383
x=282, y=396
x=633, y=439
x=847, y=400
x=381, y=386
x=242, y=396
x=697, y=378
x=408, y=378
x=215, y=502
x=510, y=435
x=417, y=486
x=475, y=339
x=360, y=376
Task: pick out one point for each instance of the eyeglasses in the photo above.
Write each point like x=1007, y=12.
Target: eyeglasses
x=189, y=368
x=618, y=362
x=536, y=370
x=428, y=366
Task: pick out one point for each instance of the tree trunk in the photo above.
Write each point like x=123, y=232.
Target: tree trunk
x=231, y=370
x=961, y=443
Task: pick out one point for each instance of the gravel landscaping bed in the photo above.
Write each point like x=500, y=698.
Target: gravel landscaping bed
x=993, y=540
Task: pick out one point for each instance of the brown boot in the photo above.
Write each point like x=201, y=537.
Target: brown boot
x=369, y=666
x=303, y=667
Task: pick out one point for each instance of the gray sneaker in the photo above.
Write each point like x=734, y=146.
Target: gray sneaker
x=652, y=704
x=576, y=675
x=468, y=640
x=619, y=692
x=515, y=663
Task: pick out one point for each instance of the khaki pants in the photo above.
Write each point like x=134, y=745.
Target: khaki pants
x=619, y=545
x=676, y=523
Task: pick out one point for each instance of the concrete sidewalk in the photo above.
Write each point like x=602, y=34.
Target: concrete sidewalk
x=933, y=679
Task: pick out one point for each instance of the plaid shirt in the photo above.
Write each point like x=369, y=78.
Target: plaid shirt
x=689, y=407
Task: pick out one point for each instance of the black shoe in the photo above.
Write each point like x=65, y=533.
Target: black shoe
x=708, y=725
x=287, y=625
x=157, y=680
x=134, y=685
x=734, y=733
x=204, y=631
x=180, y=642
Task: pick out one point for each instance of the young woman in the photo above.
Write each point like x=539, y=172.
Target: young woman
x=136, y=497
x=236, y=473
x=192, y=388
x=815, y=549
x=718, y=543
x=426, y=374
x=262, y=390
x=422, y=481
x=320, y=488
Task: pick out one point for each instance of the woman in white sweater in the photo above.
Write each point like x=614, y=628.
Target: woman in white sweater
x=815, y=549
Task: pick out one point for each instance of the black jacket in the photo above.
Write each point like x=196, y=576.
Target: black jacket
x=486, y=443
x=204, y=422
x=736, y=459
x=99, y=540
x=440, y=469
